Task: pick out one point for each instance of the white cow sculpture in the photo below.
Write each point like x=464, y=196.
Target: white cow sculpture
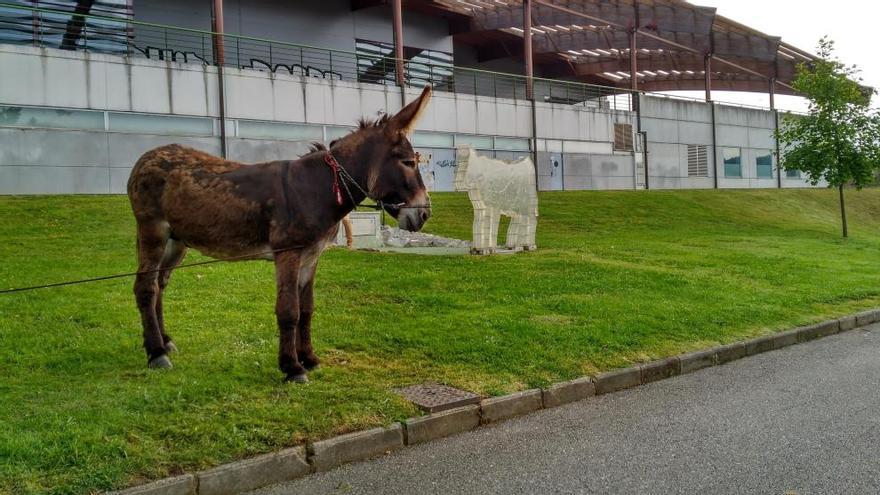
x=495, y=188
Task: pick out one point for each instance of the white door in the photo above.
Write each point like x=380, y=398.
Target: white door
x=556, y=169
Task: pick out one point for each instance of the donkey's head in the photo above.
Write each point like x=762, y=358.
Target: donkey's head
x=389, y=167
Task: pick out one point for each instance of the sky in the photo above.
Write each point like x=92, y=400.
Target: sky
x=852, y=24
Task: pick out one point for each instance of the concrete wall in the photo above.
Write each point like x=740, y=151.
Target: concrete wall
x=119, y=107
x=112, y=108
x=673, y=124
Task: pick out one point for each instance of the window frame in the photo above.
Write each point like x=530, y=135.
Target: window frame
x=738, y=164
x=758, y=165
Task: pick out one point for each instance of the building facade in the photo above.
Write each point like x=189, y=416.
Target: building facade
x=81, y=97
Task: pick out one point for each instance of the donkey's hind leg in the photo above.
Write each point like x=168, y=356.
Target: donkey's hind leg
x=152, y=238
x=174, y=253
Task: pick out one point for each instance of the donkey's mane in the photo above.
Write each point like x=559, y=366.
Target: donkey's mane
x=363, y=123
x=379, y=122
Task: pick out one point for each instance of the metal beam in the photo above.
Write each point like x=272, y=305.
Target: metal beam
x=527, y=48
x=220, y=59
x=398, y=42
x=707, y=68
x=654, y=37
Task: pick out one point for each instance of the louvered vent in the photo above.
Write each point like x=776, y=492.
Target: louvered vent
x=623, y=137
x=698, y=162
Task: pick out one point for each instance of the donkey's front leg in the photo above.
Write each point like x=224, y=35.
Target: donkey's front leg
x=287, y=266
x=306, y=305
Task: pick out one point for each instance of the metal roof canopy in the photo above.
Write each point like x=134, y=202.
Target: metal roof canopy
x=589, y=40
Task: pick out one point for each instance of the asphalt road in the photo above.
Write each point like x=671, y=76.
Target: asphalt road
x=802, y=420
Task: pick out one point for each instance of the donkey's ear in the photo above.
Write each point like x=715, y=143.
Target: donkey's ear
x=406, y=118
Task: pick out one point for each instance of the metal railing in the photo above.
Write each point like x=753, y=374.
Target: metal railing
x=43, y=27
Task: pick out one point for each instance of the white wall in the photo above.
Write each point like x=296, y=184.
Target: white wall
x=97, y=159
x=673, y=124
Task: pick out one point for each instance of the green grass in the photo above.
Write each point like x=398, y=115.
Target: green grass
x=620, y=277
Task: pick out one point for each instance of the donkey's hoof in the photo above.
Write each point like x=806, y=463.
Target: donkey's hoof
x=303, y=378
x=160, y=363
x=170, y=347
x=310, y=363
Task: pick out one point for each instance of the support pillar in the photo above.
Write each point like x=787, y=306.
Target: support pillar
x=527, y=49
x=219, y=60
x=707, y=68
x=398, y=43
x=530, y=81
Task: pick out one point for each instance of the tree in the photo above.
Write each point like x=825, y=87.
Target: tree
x=838, y=141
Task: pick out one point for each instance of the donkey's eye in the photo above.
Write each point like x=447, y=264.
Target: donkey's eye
x=409, y=163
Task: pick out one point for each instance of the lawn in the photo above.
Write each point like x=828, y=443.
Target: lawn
x=619, y=277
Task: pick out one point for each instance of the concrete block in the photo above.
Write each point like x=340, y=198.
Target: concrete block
x=785, y=339
x=698, y=360
x=612, y=381
x=508, y=406
x=570, y=391
x=356, y=446
x=847, y=323
x=442, y=424
x=659, y=370
x=818, y=331
x=178, y=485
x=249, y=474
x=867, y=317
x=730, y=352
x=760, y=345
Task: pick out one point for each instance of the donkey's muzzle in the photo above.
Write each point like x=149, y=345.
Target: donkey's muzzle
x=413, y=217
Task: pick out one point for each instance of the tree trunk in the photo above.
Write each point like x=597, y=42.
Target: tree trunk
x=843, y=212
x=76, y=24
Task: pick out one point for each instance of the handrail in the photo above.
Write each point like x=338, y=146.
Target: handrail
x=285, y=43
x=346, y=56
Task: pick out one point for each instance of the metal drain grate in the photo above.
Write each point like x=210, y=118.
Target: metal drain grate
x=434, y=397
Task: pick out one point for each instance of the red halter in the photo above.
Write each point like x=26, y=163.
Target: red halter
x=334, y=166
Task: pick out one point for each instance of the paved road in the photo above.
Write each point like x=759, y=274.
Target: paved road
x=802, y=420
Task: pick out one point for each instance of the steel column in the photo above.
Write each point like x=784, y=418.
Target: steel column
x=527, y=49
x=398, y=42
x=773, y=93
x=707, y=68
x=219, y=60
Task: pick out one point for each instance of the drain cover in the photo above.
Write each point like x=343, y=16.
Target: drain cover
x=434, y=397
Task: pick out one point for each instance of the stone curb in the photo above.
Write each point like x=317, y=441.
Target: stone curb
x=177, y=485
x=567, y=392
x=508, y=406
x=698, y=360
x=443, y=424
x=357, y=446
x=659, y=370
x=249, y=474
x=818, y=331
x=616, y=380
x=326, y=454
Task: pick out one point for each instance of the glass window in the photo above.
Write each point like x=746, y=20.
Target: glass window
x=51, y=118
x=376, y=64
x=732, y=162
x=793, y=174
x=161, y=124
x=109, y=33
x=511, y=144
x=275, y=130
x=764, y=163
x=334, y=133
x=433, y=140
x=478, y=142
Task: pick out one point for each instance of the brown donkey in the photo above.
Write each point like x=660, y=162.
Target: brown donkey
x=285, y=211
